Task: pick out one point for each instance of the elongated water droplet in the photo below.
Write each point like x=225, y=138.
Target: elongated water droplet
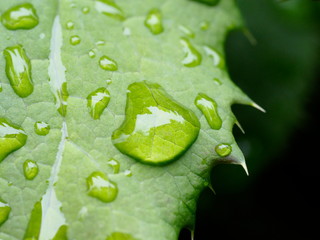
x=100, y=187
x=154, y=21
x=34, y=224
x=209, y=109
x=115, y=165
x=18, y=70
x=11, y=138
x=5, y=210
x=22, y=16
x=30, y=169
x=208, y=2
x=120, y=236
x=41, y=128
x=85, y=10
x=100, y=43
x=187, y=31
x=70, y=25
x=75, y=40
x=192, y=57
x=110, y=8
x=217, y=59
x=97, y=101
x=156, y=129
x=61, y=233
x=108, y=64
x=223, y=149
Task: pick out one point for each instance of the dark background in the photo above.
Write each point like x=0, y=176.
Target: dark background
x=281, y=72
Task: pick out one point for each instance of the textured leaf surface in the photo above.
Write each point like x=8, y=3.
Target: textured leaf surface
x=81, y=46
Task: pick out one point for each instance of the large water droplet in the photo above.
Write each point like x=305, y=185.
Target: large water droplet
x=30, y=169
x=18, y=70
x=75, y=40
x=22, y=16
x=34, y=224
x=98, y=100
x=223, y=149
x=120, y=236
x=157, y=129
x=154, y=21
x=108, y=64
x=217, y=59
x=100, y=187
x=208, y=2
x=115, y=165
x=41, y=128
x=11, y=138
x=192, y=57
x=209, y=109
x=110, y=8
x=4, y=211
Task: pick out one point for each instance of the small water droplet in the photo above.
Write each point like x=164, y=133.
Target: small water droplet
x=100, y=43
x=115, y=165
x=217, y=59
x=192, y=56
x=208, y=2
x=41, y=128
x=187, y=31
x=34, y=224
x=217, y=81
x=110, y=8
x=97, y=101
x=70, y=25
x=22, y=16
x=18, y=70
x=100, y=187
x=108, y=64
x=11, y=138
x=126, y=31
x=156, y=129
x=30, y=169
x=42, y=35
x=209, y=108
x=223, y=149
x=154, y=21
x=5, y=210
x=108, y=81
x=91, y=53
x=204, y=25
x=75, y=40
x=127, y=173
x=85, y=10
x=120, y=236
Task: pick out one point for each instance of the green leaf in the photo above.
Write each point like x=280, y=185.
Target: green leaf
x=87, y=186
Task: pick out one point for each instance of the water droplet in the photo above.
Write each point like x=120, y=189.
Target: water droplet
x=223, y=149
x=154, y=21
x=91, y=53
x=108, y=81
x=108, y=64
x=85, y=10
x=41, y=128
x=209, y=108
x=208, y=2
x=34, y=224
x=120, y=236
x=4, y=211
x=42, y=35
x=217, y=81
x=97, y=101
x=127, y=173
x=115, y=165
x=204, y=25
x=22, y=16
x=30, y=169
x=218, y=61
x=157, y=129
x=18, y=70
x=11, y=138
x=100, y=43
x=70, y=25
x=192, y=57
x=187, y=31
x=100, y=187
x=75, y=40
x=61, y=233
x=110, y=8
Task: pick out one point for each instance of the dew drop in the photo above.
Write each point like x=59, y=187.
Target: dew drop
x=4, y=211
x=217, y=59
x=192, y=56
x=70, y=25
x=110, y=8
x=30, y=169
x=97, y=101
x=208, y=2
x=115, y=165
x=22, y=16
x=209, y=108
x=204, y=25
x=120, y=236
x=11, y=138
x=156, y=129
x=108, y=64
x=18, y=70
x=75, y=40
x=100, y=187
x=223, y=149
x=153, y=21
x=187, y=31
x=91, y=53
x=41, y=128
x=85, y=10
